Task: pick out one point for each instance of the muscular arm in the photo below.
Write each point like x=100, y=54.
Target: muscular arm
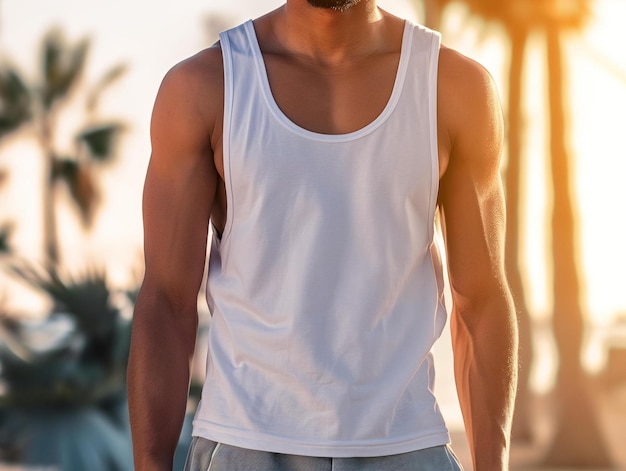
x=178, y=197
x=484, y=334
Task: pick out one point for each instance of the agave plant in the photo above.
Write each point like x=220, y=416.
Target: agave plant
x=63, y=378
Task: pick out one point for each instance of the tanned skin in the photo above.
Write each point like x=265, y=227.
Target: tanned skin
x=321, y=64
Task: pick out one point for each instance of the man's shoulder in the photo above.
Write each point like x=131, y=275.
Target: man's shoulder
x=195, y=85
x=468, y=95
x=462, y=77
x=203, y=70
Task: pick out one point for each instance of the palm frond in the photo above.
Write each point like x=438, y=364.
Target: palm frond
x=85, y=297
x=32, y=374
x=110, y=77
x=568, y=14
x=63, y=64
x=5, y=236
x=81, y=186
x=11, y=341
x=101, y=140
x=85, y=194
x=64, y=168
x=15, y=101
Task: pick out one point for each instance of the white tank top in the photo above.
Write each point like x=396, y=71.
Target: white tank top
x=325, y=288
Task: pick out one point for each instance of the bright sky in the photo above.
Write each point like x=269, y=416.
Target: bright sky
x=152, y=36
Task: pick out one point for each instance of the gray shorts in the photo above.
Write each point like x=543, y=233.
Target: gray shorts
x=205, y=455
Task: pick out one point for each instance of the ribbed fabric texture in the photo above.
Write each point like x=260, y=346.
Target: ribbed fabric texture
x=326, y=289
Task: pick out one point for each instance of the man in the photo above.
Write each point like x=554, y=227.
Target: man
x=320, y=140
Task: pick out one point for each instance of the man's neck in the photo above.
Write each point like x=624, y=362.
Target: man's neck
x=328, y=35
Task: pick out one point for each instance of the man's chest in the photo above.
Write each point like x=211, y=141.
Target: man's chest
x=332, y=99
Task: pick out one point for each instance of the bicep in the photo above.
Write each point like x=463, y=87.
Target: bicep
x=179, y=190
x=471, y=197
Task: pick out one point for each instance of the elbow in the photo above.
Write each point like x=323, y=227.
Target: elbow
x=166, y=308
x=169, y=295
x=480, y=306
x=477, y=295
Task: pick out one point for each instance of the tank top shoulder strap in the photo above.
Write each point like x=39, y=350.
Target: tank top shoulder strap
x=240, y=57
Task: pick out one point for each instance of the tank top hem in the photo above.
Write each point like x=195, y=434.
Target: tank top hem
x=327, y=449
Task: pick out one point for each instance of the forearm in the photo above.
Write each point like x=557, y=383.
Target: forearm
x=485, y=351
x=158, y=379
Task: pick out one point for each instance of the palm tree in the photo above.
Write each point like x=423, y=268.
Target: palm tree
x=514, y=17
x=69, y=397
x=522, y=423
x=37, y=106
x=578, y=440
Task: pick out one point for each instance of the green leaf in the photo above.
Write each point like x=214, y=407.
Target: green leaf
x=80, y=183
x=86, y=366
x=101, y=140
x=65, y=169
x=5, y=235
x=86, y=299
x=111, y=76
x=63, y=65
x=15, y=101
x=12, y=348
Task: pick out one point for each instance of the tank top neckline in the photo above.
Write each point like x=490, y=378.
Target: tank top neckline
x=293, y=127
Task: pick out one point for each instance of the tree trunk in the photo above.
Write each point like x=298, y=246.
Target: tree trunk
x=522, y=423
x=50, y=238
x=432, y=13
x=578, y=440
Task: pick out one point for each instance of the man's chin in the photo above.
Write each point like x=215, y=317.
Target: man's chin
x=338, y=5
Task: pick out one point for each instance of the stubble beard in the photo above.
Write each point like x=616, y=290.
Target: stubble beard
x=338, y=5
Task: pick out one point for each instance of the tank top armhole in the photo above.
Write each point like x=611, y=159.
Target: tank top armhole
x=433, y=75
x=226, y=132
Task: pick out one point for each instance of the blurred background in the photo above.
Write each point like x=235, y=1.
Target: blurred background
x=77, y=84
